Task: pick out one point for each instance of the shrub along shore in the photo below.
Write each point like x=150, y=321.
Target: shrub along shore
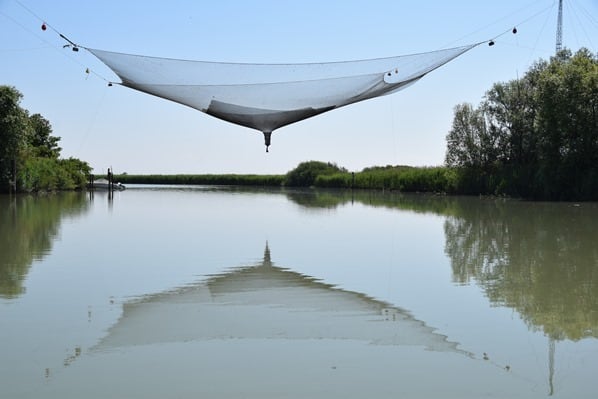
x=322, y=175
x=497, y=181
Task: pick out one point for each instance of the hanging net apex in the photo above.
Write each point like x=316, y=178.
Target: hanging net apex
x=266, y=97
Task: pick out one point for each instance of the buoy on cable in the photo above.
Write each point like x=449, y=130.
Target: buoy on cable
x=491, y=43
x=44, y=27
x=514, y=30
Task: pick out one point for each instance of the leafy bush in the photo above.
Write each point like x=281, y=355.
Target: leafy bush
x=49, y=174
x=305, y=174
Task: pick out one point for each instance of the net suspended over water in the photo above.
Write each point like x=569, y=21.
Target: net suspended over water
x=266, y=97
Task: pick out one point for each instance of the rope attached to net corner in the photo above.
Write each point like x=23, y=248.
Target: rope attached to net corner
x=70, y=44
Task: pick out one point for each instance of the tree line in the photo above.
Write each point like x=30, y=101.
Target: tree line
x=533, y=137
x=29, y=153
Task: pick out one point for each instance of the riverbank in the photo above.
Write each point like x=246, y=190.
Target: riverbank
x=498, y=181
x=321, y=175
x=205, y=179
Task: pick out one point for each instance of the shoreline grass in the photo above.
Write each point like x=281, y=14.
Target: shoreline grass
x=203, y=179
x=393, y=178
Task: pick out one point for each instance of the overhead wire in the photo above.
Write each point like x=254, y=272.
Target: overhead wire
x=510, y=29
x=94, y=118
x=45, y=25
x=74, y=46
x=575, y=10
x=535, y=46
x=593, y=20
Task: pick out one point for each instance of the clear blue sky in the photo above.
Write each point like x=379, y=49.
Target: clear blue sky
x=139, y=133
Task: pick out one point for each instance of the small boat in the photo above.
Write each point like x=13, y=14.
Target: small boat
x=103, y=184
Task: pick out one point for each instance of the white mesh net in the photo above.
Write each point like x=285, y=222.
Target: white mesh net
x=268, y=96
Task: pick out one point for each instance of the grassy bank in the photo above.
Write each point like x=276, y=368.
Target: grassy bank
x=439, y=179
x=322, y=175
x=399, y=178
x=211, y=179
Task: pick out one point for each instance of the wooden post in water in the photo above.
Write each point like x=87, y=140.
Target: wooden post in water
x=110, y=185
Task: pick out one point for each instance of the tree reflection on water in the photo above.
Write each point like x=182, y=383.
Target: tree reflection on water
x=28, y=227
x=540, y=259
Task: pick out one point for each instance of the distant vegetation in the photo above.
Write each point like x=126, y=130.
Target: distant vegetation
x=226, y=179
x=321, y=174
x=401, y=178
x=29, y=153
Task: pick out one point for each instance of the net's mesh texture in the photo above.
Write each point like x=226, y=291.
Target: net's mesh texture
x=268, y=96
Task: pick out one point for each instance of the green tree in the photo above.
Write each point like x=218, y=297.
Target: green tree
x=536, y=136
x=29, y=153
x=40, y=138
x=568, y=124
x=470, y=142
x=14, y=129
x=511, y=110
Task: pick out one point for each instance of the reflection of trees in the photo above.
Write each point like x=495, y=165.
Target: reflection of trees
x=421, y=203
x=540, y=259
x=28, y=226
x=310, y=198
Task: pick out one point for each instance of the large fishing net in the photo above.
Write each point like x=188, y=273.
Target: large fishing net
x=266, y=97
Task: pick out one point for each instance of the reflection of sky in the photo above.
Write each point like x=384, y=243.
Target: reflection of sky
x=150, y=242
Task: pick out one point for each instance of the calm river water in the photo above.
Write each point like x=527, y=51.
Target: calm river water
x=189, y=292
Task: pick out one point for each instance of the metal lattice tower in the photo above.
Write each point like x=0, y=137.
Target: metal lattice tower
x=559, y=28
